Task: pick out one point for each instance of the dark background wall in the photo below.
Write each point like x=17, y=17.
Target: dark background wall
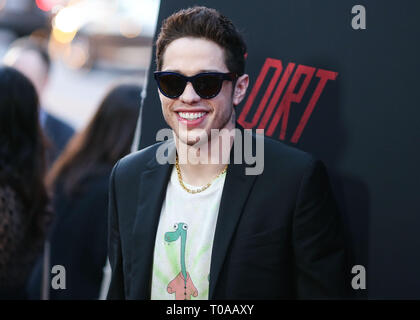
x=364, y=126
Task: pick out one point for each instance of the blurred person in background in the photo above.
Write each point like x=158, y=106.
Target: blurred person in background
x=79, y=179
x=30, y=57
x=24, y=204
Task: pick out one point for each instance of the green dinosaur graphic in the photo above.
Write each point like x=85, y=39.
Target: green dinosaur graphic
x=182, y=284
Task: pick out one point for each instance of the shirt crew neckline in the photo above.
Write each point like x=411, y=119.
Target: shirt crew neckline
x=216, y=184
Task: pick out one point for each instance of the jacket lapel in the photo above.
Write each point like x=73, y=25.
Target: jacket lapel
x=152, y=192
x=235, y=193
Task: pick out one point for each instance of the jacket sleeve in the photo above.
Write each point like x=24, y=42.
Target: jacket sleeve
x=116, y=287
x=318, y=241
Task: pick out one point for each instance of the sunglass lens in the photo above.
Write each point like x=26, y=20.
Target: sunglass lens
x=207, y=86
x=171, y=85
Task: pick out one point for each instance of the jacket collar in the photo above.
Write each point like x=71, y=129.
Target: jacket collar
x=234, y=196
x=152, y=191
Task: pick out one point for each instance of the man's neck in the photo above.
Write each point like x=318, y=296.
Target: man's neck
x=201, y=164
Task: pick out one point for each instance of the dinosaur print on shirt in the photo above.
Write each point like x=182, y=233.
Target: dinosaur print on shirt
x=181, y=285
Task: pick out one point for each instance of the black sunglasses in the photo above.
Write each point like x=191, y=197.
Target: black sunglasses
x=207, y=84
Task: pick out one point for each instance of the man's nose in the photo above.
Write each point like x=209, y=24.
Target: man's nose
x=189, y=95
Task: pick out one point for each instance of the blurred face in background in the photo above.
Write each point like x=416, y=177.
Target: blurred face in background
x=190, y=56
x=29, y=63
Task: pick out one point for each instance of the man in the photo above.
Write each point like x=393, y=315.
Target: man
x=31, y=58
x=208, y=230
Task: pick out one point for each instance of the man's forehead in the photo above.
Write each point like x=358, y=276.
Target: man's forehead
x=195, y=54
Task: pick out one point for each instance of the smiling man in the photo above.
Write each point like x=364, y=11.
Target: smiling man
x=206, y=229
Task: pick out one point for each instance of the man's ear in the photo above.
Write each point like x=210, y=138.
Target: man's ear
x=240, y=89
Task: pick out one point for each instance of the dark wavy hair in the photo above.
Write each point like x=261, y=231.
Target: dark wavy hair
x=22, y=145
x=107, y=138
x=207, y=23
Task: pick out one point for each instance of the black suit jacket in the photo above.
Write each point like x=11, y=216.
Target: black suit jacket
x=278, y=234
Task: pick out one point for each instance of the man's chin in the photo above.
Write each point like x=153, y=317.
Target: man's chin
x=193, y=138
x=195, y=141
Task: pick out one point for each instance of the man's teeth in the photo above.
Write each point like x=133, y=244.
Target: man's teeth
x=191, y=115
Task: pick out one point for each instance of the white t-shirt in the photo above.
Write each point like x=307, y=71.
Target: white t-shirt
x=184, y=241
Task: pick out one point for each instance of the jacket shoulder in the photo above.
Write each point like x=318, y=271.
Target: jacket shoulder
x=137, y=161
x=287, y=163
x=286, y=155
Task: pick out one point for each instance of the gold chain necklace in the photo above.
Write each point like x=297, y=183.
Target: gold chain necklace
x=178, y=170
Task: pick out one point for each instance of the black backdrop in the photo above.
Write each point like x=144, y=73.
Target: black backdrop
x=364, y=126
